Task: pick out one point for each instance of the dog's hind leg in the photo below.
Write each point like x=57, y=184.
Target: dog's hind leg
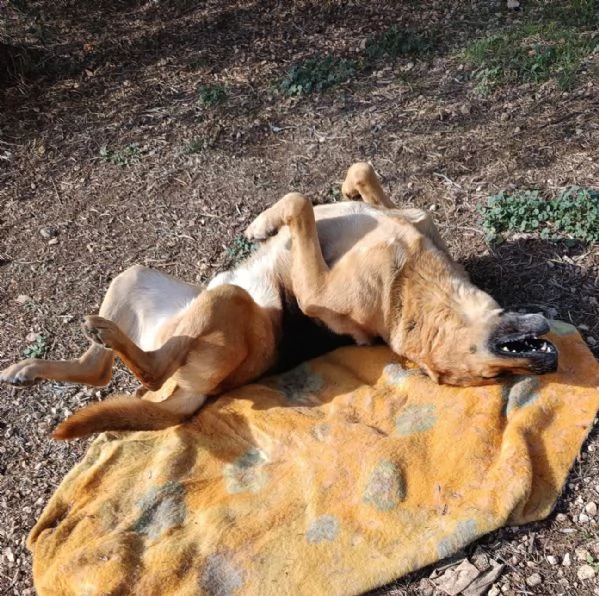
x=151, y=367
x=208, y=337
x=94, y=368
x=135, y=297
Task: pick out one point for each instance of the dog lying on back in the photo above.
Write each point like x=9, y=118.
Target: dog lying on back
x=362, y=268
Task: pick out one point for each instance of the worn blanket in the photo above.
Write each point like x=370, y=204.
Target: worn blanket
x=338, y=476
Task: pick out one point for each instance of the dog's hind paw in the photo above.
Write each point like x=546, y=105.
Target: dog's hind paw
x=100, y=330
x=21, y=374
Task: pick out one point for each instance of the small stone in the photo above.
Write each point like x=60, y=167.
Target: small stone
x=504, y=116
x=551, y=560
x=585, y=572
x=494, y=591
x=53, y=241
x=48, y=233
x=481, y=561
x=583, y=518
x=591, y=340
x=22, y=299
x=582, y=554
x=534, y=580
x=561, y=517
x=33, y=336
x=567, y=561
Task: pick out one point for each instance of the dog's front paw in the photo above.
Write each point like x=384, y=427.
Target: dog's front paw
x=100, y=330
x=262, y=228
x=21, y=374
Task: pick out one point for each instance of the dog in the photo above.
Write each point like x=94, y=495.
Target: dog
x=363, y=269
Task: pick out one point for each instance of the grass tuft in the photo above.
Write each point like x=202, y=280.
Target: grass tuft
x=239, y=249
x=121, y=157
x=211, y=95
x=395, y=42
x=38, y=348
x=317, y=74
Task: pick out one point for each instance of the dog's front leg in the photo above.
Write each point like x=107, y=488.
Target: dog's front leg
x=321, y=292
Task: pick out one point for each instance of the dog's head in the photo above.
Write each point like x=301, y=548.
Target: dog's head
x=501, y=344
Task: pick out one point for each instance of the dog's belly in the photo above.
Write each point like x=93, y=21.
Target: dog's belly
x=257, y=278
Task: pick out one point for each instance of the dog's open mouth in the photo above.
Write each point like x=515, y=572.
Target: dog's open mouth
x=525, y=346
x=520, y=337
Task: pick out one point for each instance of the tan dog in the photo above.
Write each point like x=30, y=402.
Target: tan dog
x=363, y=269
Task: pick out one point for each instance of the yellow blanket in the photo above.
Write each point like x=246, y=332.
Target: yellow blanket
x=334, y=478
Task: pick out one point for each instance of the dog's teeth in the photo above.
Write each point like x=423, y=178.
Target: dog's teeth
x=504, y=349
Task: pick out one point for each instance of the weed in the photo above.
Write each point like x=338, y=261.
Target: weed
x=38, y=348
x=582, y=14
x=317, y=74
x=395, y=42
x=529, y=54
x=335, y=194
x=199, y=62
x=211, y=95
x=573, y=213
x=239, y=249
x=196, y=146
x=121, y=157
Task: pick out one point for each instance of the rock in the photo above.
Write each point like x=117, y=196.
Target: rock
x=494, y=591
x=22, y=299
x=567, y=561
x=552, y=560
x=585, y=572
x=534, y=580
x=457, y=578
x=561, y=517
x=591, y=340
x=583, y=518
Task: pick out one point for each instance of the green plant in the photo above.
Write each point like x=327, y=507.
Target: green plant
x=38, y=348
x=121, y=157
x=395, y=42
x=210, y=95
x=529, y=54
x=239, y=249
x=591, y=561
x=583, y=14
x=196, y=146
x=573, y=213
x=317, y=74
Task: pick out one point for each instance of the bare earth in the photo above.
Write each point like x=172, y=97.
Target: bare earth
x=124, y=76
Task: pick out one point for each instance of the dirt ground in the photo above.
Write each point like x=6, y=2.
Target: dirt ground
x=110, y=155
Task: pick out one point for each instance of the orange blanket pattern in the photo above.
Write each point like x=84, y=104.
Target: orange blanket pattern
x=336, y=477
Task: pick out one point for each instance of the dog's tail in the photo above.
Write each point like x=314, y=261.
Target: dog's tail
x=126, y=413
